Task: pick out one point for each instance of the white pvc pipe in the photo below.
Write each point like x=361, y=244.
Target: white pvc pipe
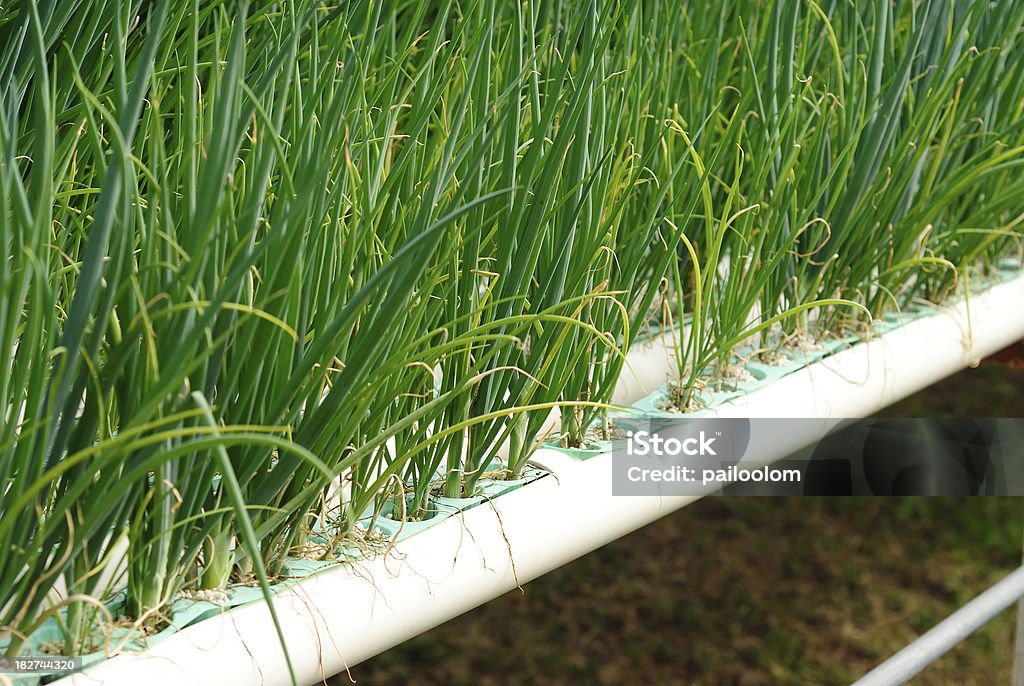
x=340, y=617
x=649, y=364
x=860, y=380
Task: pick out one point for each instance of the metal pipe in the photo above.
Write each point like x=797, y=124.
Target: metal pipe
x=932, y=645
x=1018, y=645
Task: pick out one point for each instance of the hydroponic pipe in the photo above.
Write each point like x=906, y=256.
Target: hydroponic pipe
x=340, y=617
x=940, y=639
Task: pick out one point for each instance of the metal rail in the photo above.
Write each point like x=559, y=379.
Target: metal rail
x=932, y=645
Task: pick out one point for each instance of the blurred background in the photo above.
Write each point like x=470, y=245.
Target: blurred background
x=752, y=591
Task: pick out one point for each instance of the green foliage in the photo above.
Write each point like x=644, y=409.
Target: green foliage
x=270, y=263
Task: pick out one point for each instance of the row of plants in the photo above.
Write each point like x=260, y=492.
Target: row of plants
x=273, y=268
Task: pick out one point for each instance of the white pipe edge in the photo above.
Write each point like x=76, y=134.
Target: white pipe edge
x=340, y=617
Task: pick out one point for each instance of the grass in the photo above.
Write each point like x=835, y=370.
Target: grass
x=275, y=263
